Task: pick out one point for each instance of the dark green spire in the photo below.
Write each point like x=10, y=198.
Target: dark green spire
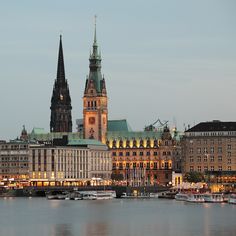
x=95, y=75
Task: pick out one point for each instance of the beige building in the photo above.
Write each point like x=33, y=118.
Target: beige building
x=80, y=162
x=14, y=170
x=210, y=146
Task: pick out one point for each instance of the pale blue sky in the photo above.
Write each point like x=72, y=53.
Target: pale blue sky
x=173, y=60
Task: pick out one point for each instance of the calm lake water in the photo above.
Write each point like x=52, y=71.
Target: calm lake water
x=118, y=217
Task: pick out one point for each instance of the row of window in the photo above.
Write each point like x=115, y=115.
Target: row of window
x=14, y=158
x=206, y=159
x=205, y=168
x=168, y=153
x=205, y=150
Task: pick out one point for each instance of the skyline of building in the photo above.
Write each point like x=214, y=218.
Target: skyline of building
x=160, y=52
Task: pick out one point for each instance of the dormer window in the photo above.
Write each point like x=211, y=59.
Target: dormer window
x=91, y=91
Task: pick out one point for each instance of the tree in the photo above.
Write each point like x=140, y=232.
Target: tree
x=194, y=177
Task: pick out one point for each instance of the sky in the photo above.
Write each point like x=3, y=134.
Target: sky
x=174, y=60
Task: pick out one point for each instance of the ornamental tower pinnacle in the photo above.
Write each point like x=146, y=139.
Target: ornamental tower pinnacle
x=95, y=98
x=60, y=102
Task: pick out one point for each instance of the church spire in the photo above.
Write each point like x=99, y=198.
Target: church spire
x=60, y=64
x=61, y=120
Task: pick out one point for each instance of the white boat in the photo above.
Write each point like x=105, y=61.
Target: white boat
x=232, y=199
x=181, y=196
x=98, y=195
x=105, y=195
x=195, y=197
x=213, y=197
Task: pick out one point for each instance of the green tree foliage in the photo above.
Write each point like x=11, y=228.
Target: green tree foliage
x=194, y=177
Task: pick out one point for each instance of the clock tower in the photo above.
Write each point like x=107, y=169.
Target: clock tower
x=60, y=102
x=95, y=98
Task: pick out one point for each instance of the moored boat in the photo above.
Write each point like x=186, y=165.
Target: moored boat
x=195, y=197
x=232, y=199
x=181, y=196
x=214, y=197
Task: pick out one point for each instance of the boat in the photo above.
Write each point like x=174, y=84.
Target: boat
x=195, y=197
x=181, y=196
x=105, y=195
x=167, y=194
x=98, y=195
x=75, y=196
x=214, y=197
x=232, y=199
x=57, y=196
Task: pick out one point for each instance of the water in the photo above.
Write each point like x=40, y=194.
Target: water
x=118, y=217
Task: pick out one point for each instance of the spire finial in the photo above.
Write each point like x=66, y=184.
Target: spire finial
x=95, y=25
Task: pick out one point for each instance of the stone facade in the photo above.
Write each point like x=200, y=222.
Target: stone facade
x=147, y=159
x=210, y=146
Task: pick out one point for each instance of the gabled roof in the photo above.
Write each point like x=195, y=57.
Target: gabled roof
x=212, y=126
x=118, y=125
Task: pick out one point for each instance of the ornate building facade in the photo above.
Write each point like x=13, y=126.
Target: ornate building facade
x=143, y=158
x=61, y=120
x=95, y=113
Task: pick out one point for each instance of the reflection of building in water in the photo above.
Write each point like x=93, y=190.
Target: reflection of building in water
x=100, y=228
x=61, y=230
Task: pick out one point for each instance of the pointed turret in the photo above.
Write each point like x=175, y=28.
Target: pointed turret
x=61, y=102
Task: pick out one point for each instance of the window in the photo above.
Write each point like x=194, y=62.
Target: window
x=148, y=166
x=212, y=158
x=114, y=166
x=219, y=158
x=220, y=168
x=212, y=168
x=212, y=150
x=229, y=161
x=198, y=150
x=229, y=154
x=205, y=158
x=199, y=168
x=127, y=165
x=191, y=150
x=155, y=153
x=229, y=147
x=199, y=159
x=229, y=167
x=219, y=149
x=114, y=154
x=120, y=154
x=120, y=166
x=134, y=154
x=141, y=164
x=205, y=168
x=205, y=150
x=141, y=153
x=155, y=165
x=166, y=165
x=191, y=169
x=191, y=159
x=134, y=165
x=148, y=153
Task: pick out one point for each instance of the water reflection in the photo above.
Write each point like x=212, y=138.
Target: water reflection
x=93, y=229
x=61, y=230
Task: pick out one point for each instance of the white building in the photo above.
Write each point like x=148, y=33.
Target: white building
x=79, y=162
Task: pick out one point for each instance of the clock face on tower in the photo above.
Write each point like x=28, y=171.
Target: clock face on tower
x=91, y=120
